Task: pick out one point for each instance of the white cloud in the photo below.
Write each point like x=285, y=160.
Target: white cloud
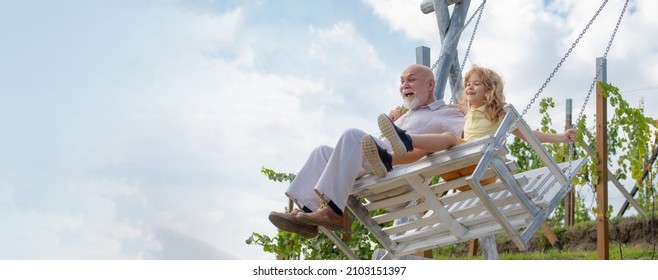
x=406, y=16
x=171, y=114
x=525, y=42
x=80, y=216
x=141, y=132
x=107, y=148
x=343, y=42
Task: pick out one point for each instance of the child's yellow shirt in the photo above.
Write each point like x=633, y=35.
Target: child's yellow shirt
x=477, y=125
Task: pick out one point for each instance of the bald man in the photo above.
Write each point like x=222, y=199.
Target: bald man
x=321, y=187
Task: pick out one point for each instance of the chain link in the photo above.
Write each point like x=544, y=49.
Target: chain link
x=605, y=55
x=479, y=9
x=550, y=77
x=479, y=12
x=468, y=49
x=598, y=71
x=564, y=58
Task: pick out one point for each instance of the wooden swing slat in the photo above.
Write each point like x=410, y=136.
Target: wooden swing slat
x=459, y=206
x=419, y=216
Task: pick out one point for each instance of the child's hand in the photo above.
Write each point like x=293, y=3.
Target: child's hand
x=570, y=135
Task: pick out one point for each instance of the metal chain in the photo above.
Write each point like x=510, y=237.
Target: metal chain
x=475, y=28
x=605, y=55
x=468, y=49
x=598, y=71
x=564, y=58
x=480, y=8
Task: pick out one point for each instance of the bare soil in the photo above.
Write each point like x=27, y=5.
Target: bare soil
x=633, y=232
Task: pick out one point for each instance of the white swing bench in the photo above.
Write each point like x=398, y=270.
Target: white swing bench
x=420, y=217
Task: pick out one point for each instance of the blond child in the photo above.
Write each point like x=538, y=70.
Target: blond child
x=482, y=104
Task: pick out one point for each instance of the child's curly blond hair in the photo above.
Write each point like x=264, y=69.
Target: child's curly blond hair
x=494, y=96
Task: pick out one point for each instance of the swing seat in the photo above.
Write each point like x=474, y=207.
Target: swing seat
x=420, y=215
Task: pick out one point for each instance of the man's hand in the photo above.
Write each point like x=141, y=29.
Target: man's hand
x=396, y=113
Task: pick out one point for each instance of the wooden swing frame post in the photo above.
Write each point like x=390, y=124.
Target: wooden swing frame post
x=602, y=235
x=570, y=200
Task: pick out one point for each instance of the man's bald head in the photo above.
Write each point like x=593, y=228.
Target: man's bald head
x=417, y=86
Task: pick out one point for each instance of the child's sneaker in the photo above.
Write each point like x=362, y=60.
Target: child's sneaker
x=379, y=159
x=400, y=140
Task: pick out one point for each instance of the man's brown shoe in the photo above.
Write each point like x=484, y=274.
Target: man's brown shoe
x=324, y=216
x=288, y=222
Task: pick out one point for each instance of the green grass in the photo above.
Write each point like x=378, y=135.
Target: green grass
x=616, y=250
x=615, y=253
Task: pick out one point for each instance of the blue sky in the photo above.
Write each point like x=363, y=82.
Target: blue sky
x=137, y=129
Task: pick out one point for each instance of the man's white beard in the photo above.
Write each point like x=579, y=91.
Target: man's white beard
x=412, y=104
